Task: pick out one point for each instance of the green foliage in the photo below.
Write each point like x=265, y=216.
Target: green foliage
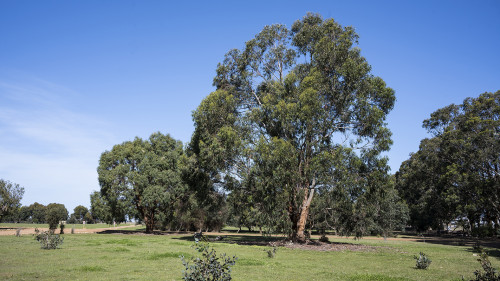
x=489, y=273
x=79, y=212
x=271, y=253
x=140, y=178
x=209, y=266
x=88, y=218
x=422, y=261
x=72, y=219
x=455, y=173
x=38, y=212
x=101, y=211
x=10, y=197
x=48, y=240
x=285, y=106
x=54, y=214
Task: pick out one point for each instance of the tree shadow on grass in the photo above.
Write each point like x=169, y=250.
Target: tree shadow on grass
x=491, y=253
x=460, y=241
x=236, y=239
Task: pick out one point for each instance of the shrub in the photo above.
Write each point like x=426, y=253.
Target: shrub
x=490, y=273
x=198, y=237
x=423, y=261
x=209, y=266
x=48, y=240
x=324, y=239
x=271, y=253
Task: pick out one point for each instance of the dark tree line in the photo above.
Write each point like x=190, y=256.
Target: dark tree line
x=455, y=175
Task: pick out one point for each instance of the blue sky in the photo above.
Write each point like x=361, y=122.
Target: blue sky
x=77, y=77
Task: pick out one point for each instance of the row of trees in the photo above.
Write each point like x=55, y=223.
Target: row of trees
x=291, y=140
x=455, y=175
x=293, y=132
x=53, y=213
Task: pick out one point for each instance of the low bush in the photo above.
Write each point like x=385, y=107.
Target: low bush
x=271, y=253
x=48, y=240
x=209, y=266
x=489, y=273
x=423, y=261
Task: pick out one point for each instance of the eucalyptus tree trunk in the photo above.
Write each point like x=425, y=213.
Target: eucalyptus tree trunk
x=299, y=216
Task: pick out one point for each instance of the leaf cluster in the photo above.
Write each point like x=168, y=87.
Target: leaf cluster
x=209, y=266
x=456, y=173
x=48, y=240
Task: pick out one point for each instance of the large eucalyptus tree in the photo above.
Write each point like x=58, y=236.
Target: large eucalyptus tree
x=284, y=106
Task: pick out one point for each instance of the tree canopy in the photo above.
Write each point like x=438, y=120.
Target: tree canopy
x=456, y=173
x=54, y=214
x=142, y=178
x=284, y=107
x=10, y=197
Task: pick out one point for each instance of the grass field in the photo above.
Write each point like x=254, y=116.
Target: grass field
x=156, y=257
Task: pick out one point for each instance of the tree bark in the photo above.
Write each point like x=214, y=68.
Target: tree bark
x=304, y=213
x=150, y=223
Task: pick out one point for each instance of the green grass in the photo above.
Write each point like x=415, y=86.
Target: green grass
x=68, y=226
x=156, y=257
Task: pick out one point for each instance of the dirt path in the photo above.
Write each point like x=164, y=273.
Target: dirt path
x=67, y=230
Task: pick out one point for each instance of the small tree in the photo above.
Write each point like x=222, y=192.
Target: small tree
x=10, y=197
x=48, y=240
x=55, y=214
x=209, y=266
x=80, y=212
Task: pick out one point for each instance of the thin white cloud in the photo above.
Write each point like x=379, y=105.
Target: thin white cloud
x=47, y=147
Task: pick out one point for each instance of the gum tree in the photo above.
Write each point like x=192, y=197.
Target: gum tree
x=143, y=175
x=456, y=173
x=284, y=106
x=10, y=197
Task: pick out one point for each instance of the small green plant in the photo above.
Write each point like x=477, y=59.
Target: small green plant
x=48, y=240
x=423, y=261
x=209, y=266
x=271, y=253
x=489, y=272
